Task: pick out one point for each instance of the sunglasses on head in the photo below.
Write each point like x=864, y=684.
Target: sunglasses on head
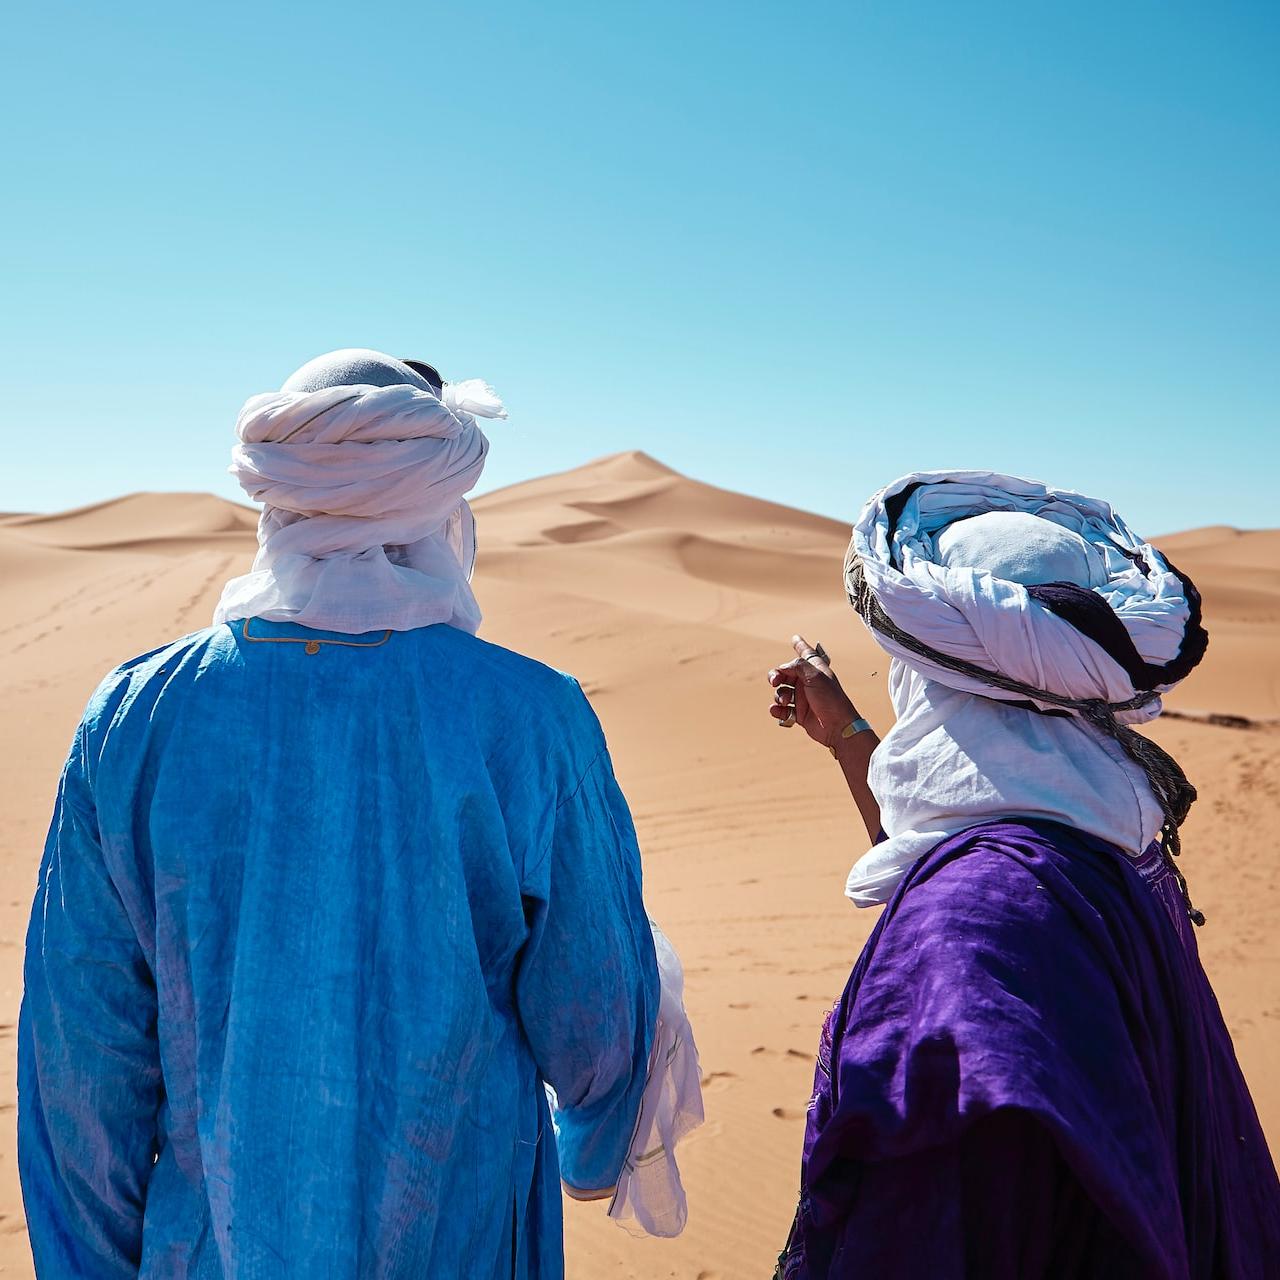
x=424, y=370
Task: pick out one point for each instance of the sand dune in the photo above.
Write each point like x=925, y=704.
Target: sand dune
x=152, y=520
x=1238, y=574
x=669, y=599
x=631, y=491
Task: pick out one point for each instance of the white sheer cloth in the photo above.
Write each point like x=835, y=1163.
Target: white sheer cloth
x=650, y=1198
x=952, y=759
x=364, y=526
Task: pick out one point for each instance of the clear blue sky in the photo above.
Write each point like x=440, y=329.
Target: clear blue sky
x=794, y=250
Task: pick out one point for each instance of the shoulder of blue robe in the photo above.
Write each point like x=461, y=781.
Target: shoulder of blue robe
x=533, y=699
x=509, y=722
x=1025, y=967
x=549, y=687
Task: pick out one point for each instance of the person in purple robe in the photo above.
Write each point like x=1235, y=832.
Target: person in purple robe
x=1027, y=1074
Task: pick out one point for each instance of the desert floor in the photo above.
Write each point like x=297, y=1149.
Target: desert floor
x=669, y=600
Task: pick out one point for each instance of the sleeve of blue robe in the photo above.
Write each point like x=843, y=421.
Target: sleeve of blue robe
x=89, y=1082
x=588, y=985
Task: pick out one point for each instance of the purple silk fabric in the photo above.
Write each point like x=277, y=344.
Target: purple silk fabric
x=1028, y=1075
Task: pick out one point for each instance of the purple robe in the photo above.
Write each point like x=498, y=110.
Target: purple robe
x=1028, y=1075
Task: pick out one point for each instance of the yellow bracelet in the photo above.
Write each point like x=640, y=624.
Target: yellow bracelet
x=853, y=727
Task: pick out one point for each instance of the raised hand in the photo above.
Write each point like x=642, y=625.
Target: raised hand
x=806, y=692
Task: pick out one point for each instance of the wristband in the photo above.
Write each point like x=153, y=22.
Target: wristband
x=853, y=727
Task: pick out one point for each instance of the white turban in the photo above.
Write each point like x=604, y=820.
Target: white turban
x=364, y=525
x=1020, y=547
x=999, y=598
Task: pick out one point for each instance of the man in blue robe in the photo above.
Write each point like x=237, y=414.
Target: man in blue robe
x=331, y=889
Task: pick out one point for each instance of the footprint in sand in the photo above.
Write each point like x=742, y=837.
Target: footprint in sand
x=786, y=1113
x=717, y=1081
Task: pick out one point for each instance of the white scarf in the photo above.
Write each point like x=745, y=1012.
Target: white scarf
x=650, y=1197
x=957, y=756
x=364, y=526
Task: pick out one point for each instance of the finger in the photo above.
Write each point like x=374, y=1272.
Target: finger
x=785, y=695
x=790, y=673
x=807, y=652
x=811, y=654
x=780, y=675
x=785, y=716
x=797, y=672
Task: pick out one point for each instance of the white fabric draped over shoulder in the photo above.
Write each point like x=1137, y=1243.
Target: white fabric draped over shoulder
x=364, y=524
x=958, y=753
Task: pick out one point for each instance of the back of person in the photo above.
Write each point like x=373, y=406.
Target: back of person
x=326, y=899
x=1058, y=1095
x=337, y=854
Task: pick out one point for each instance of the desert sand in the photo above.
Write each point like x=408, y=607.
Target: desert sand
x=668, y=599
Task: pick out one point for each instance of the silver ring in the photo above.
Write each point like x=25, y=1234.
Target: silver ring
x=818, y=652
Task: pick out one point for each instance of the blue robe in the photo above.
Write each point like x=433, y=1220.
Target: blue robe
x=317, y=917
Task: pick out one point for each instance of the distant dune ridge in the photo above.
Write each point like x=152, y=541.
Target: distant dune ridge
x=669, y=599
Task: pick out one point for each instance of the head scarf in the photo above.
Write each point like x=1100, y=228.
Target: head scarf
x=1029, y=627
x=364, y=525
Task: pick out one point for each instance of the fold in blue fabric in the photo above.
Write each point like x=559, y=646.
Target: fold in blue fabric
x=316, y=918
